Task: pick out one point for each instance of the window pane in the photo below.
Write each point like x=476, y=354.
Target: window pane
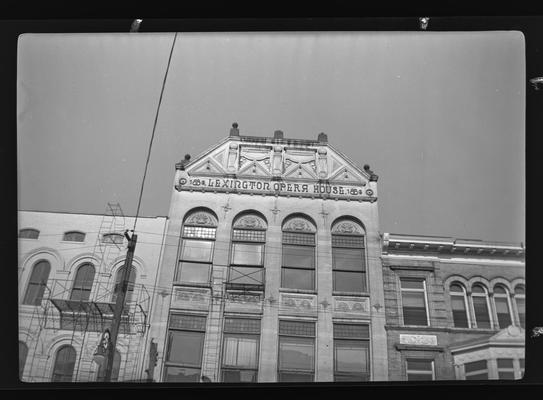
x=502, y=310
x=297, y=278
x=349, y=281
x=481, y=376
x=242, y=325
x=349, y=331
x=505, y=363
x=459, y=311
x=506, y=375
x=192, y=322
x=247, y=254
x=475, y=366
x=347, y=241
x=240, y=351
x=295, y=377
x=477, y=289
x=414, y=308
x=229, y=375
x=456, y=288
x=296, y=328
x=351, y=377
x=299, y=256
x=246, y=275
x=349, y=259
x=249, y=235
x=296, y=353
x=74, y=237
x=197, y=250
x=412, y=283
x=418, y=376
x=178, y=374
x=481, y=312
x=499, y=290
x=351, y=356
x=83, y=283
x=199, y=232
x=29, y=233
x=521, y=306
x=419, y=365
x=131, y=280
x=185, y=347
x=193, y=272
x=519, y=289
x=299, y=238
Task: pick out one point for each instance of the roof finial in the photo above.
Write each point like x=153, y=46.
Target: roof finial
x=234, y=131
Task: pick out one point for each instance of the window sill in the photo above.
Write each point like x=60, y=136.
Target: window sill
x=193, y=284
x=352, y=294
x=301, y=291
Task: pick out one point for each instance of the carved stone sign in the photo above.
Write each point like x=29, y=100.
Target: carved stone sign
x=352, y=305
x=243, y=302
x=194, y=298
x=418, y=340
x=273, y=188
x=293, y=303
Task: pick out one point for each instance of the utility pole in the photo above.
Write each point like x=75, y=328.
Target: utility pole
x=119, y=303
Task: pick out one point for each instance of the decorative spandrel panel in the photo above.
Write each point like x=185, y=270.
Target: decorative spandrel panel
x=298, y=304
x=244, y=302
x=191, y=298
x=351, y=306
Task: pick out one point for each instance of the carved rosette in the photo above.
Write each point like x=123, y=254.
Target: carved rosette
x=352, y=305
x=201, y=218
x=299, y=224
x=243, y=302
x=191, y=298
x=250, y=221
x=293, y=303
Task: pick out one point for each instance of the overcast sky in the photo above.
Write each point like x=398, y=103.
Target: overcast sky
x=438, y=116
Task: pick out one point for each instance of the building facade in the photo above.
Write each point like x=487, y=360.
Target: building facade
x=270, y=267
x=69, y=265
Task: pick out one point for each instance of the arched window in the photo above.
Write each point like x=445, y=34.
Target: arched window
x=520, y=299
x=131, y=284
x=247, y=254
x=459, y=306
x=83, y=283
x=298, y=262
x=23, y=351
x=37, y=283
x=197, y=244
x=74, y=236
x=114, y=371
x=348, y=256
x=503, y=309
x=64, y=364
x=479, y=297
x=29, y=233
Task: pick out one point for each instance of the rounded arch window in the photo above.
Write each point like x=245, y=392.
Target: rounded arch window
x=131, y=284
x=520, y=300
x=37, y=283
x=64, y=364
x=503, y=308
x=479, y=297
x=83, y=281
x=459, y=305
x=197, y=245
x=298, y=253
x=247, y=251
x=348, y=256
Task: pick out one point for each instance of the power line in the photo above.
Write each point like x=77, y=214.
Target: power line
x=154, y=129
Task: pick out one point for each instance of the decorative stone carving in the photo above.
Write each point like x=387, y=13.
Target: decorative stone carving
x=352, y=305
x=277, y=158
x=243, y=302
x=347, y=227
x=201, y=218
x=418, y=340
x=194, y=298
x=232, y=155
x=299, y=224
x=298, y=303
x=250, y=221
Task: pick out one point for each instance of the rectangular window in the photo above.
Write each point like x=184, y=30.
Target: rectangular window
x=183, y=359
x=420, y=370
x=296, y=351
x=348, y=263
x=351, y=352
x=505, y=368
x=477, y=370
x=247, y=259
x=196, y=256
x=502, y=311
x=414, y=301
x=480, y=307
x=240, y=350
x=460, y=316
x=298, y=264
